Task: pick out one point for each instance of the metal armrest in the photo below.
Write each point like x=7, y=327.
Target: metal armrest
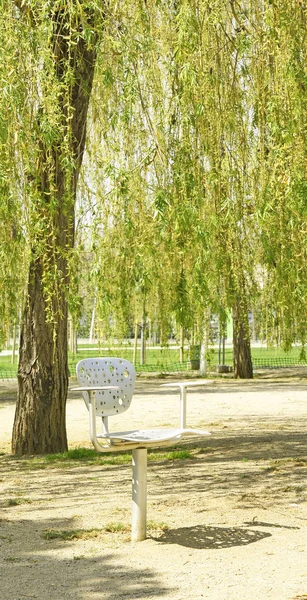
x=183, y=385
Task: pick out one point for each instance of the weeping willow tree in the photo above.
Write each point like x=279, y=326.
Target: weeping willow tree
x=193, y=186
x=173, y=142
x=154, y=213
x=281, y=120
x=177, y=103
x=12, y=240
x=211, y=94
x=214, y=104
x=128, y=161
x=231, y=157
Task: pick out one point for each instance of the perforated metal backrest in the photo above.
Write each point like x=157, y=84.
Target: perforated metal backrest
x=93, y=372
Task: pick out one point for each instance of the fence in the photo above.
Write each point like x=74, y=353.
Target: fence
x=166, y=360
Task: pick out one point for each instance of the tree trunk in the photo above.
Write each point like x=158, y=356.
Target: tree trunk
x=204, y=347
x=135, y=345
x=149, y=341
x=143, y=336
x=181, y=345
x=243, y=368
x=73, y=338
x=14, y=342
x=39, y=424
x=93, y=336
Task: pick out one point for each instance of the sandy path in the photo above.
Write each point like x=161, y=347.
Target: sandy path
x=236, y=512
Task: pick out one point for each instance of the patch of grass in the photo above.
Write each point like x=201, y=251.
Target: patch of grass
x=7, y=538
x=117, y=527
x=11, y=559
x=249, y=497
x=84, y=534
x=157, y=526
x=115, y=459
x=70, y=534
x=16, y=502
x=13, y=502
x=271, y=469
x=74, y=457
x=89, y=456
x=73, y=454
x=298, y=489
x=180, y=454
x=287, y=462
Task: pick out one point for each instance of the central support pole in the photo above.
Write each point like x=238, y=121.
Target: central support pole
x=139, y=494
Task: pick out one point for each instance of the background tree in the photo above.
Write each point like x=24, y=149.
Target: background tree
x=280, y=117
x=13, y=254
x=176, y=103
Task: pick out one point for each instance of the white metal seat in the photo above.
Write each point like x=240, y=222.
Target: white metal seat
x=107, y=386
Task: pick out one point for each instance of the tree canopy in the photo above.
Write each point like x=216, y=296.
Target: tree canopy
x=161, y=145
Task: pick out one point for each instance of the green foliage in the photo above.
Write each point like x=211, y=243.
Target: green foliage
x=40, y=147
x=192, y=194
x=70, y=534
x=280, y=101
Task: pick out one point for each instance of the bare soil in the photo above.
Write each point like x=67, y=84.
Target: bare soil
x=229, y=523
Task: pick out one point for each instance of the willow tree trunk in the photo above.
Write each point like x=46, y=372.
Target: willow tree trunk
x=143, y=336
x=39, y=425
x=243, y=367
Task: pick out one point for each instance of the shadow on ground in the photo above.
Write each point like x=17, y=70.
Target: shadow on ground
x=210, y=538
x=243, y=467
x=36, y=568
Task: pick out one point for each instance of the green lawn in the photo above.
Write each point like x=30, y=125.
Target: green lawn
x=167, y=359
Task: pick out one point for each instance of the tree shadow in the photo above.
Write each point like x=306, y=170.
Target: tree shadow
x=211, y=538
x=34, y=567
x=232, y=465
x=227, y=385
x=8, y=392
x=273, y=444
x=152, y=387
x=255, y=523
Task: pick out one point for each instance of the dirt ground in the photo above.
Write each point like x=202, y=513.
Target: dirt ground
x=234, y=513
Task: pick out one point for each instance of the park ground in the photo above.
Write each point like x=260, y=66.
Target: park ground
x=226, y=515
